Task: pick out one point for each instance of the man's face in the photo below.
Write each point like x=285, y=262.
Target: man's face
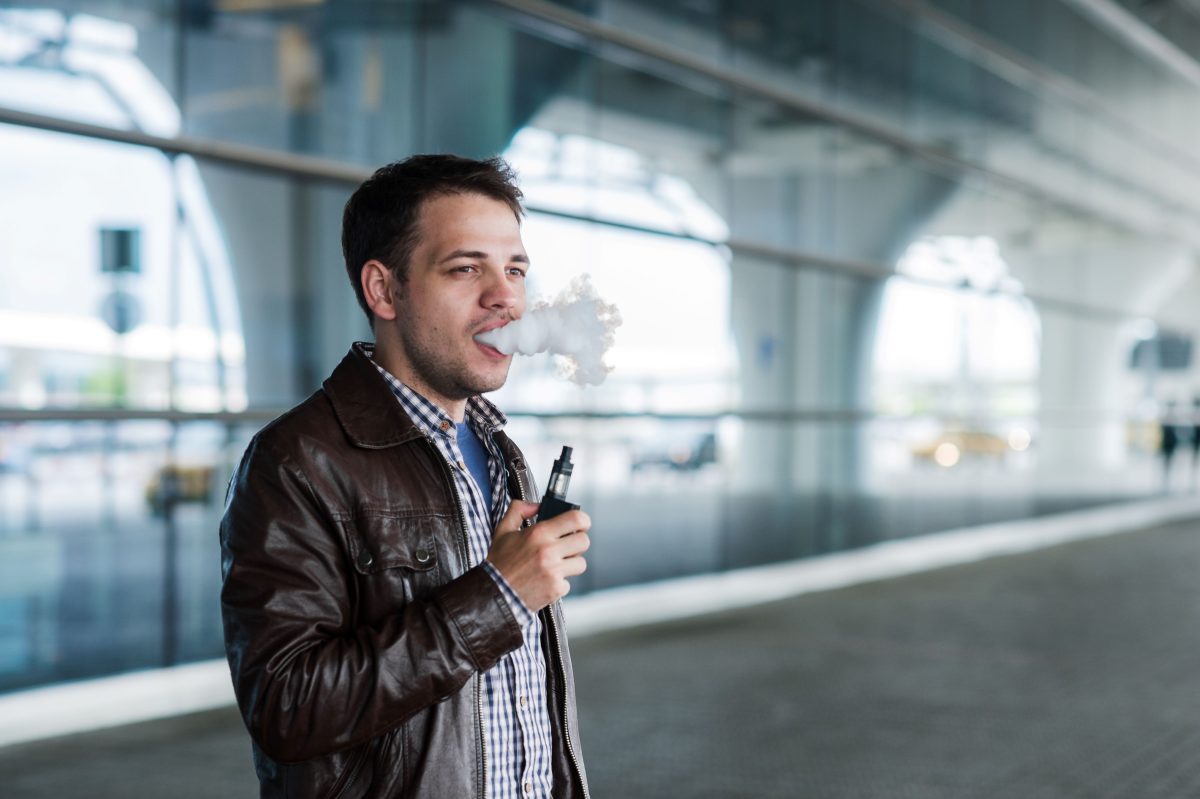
x=466, y=275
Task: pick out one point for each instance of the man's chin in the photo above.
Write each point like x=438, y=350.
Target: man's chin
x=482, y=383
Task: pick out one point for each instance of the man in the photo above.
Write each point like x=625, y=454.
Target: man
x=1195, y=440
x=1168, y=443
x=392, y=626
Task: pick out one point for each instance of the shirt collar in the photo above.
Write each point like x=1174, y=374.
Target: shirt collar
x=481, y=414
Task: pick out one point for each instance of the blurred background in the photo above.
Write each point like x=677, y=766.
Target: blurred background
x=886, y=268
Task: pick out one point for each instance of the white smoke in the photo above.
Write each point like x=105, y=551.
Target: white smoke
x=577, y=325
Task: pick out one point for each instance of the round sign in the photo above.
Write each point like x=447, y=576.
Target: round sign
x=122, y=311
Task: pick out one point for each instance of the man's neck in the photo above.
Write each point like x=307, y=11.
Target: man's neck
x=393, y=360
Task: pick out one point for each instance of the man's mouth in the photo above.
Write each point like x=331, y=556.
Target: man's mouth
x=491, y=351
x=488, y=349
x=492, y=325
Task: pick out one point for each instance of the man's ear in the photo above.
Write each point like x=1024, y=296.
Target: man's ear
x=377, y=284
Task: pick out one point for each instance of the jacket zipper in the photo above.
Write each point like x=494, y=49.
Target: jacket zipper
x=350, y=773
x=562, y=673
x=462, y=521
x=566, y=720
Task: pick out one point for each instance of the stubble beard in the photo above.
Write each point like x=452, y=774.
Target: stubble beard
x=450, y=377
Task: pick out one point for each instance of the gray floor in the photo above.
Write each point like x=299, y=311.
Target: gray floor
x=1071, y=672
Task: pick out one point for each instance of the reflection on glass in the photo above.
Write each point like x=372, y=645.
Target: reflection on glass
x=772, y=403
x=958, y=351
x=674, y=350
x=108, y=554
x=160, y=329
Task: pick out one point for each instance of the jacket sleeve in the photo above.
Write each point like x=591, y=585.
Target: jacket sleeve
x=309, y=679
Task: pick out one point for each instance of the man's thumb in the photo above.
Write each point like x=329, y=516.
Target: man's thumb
x=514, y=519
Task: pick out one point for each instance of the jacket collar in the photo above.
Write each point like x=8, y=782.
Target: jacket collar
x=364, y=405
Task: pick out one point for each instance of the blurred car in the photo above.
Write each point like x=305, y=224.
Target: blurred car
x=951, y=446
x=680, y=456
x=172, y=485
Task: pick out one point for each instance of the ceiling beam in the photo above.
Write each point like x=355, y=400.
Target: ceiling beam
x=1137, y=34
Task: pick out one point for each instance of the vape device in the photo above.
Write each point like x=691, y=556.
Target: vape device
x=555, y=500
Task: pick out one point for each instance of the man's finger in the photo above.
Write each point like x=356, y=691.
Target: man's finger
x=573, y=567
x=570, y=546
x=567, y=523
x=518, y=512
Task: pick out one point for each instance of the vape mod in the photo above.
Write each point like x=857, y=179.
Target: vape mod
x=555, y=500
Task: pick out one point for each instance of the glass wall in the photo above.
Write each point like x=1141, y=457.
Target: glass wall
x=884, y=269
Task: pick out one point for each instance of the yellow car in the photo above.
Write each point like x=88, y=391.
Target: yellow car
x=173, y=484
x=953, y=445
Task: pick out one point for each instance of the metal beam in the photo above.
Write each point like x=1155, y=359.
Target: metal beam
x=545, y=13
x=1081, y=417
x=256, y=158
x=1135, y=33
x=1019, y=69
x=577, y=27
x=305, y=167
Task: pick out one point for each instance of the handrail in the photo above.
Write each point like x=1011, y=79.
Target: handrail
x=1084, y=416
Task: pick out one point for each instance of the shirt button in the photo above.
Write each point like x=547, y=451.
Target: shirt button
x=522, y=701
x=462, y=466
x=443, y=425
x=528, y=788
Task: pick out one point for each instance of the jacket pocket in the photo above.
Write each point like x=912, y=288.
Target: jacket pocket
x=398, y=558
x=379, y=542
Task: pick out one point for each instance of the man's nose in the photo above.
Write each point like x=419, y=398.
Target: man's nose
x=501, y=294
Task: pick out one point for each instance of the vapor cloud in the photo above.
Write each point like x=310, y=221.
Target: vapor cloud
x=578, y=326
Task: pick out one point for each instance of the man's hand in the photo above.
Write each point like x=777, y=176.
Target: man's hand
x=537, y=560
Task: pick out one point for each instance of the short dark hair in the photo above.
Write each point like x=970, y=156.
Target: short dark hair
x=380, y=218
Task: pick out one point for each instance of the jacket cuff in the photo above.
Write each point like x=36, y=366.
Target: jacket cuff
x=524, y=615
x=481, y=613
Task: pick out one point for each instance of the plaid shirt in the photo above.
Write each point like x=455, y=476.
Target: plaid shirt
x=515, y=718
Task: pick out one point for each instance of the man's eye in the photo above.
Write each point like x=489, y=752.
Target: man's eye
x=517, y=271
x=465, y=268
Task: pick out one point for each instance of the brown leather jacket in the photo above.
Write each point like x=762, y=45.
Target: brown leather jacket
x=354, y=630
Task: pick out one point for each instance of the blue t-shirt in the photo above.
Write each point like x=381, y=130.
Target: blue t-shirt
x=476, y=457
